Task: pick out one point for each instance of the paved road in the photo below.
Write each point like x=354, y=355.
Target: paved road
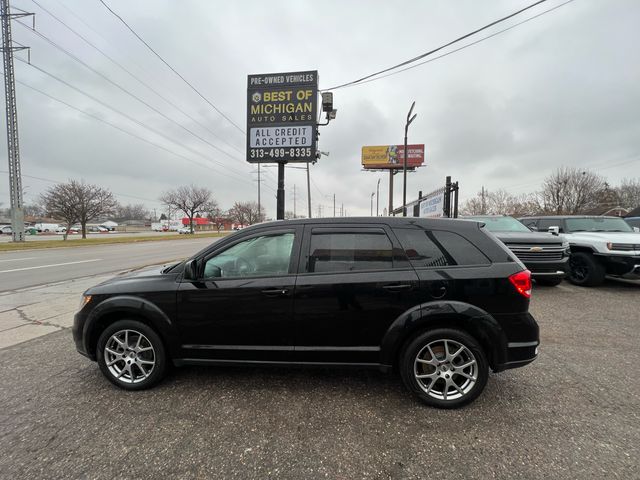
x=36, y=267
x=572, y=414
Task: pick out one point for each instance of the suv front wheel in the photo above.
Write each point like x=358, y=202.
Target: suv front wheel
x=585, y=270
x=444, y=368
x=131, y=355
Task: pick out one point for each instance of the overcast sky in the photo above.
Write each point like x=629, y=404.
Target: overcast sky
x=562, y=89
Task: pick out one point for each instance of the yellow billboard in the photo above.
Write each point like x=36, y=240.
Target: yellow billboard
x=392, y=156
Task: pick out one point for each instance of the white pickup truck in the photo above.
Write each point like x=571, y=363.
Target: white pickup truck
x=599, y=246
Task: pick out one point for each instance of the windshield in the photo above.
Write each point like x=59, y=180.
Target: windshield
x=599, y=224
x=502, y=224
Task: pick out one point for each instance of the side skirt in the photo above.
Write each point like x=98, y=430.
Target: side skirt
x=178, y=362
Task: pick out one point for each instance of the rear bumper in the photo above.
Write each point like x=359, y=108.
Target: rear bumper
x=523, y=339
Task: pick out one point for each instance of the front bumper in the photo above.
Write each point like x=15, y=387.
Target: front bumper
x=545, y=269
x=626, y=266
x=77, y=331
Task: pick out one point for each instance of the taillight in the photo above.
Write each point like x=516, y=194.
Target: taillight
x=522, y=282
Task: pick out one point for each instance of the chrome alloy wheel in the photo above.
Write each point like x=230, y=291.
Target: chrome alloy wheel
x=446, y=369
x=129, y=356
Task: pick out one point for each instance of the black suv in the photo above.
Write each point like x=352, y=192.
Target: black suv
x=442, y=301
x=545, y=255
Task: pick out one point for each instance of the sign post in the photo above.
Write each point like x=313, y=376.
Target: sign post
x=282, y=109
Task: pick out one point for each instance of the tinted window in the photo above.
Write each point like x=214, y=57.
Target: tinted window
x=529, y=222
x=501, y=224
x=345, y=252
x=439, y=248
x=258, y=256
x=545, y=223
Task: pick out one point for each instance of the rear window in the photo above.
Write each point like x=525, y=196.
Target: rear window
x=439, y=248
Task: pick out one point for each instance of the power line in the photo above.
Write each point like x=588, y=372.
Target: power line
x=137, y=122
x=173, y=69
x=124, y=90
x=95, y=117
x=464, y=46
x=419, y=57
x=122, y=67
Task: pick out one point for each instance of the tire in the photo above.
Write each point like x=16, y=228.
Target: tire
x=142, y=365
x=585, y=270
x=425, y=355
x=549, y=282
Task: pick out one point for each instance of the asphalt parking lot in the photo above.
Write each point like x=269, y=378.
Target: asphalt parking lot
x=574, y=413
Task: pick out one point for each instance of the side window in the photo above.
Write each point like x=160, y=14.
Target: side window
x=530, y=222
x=545, y=223
x=258, y=256
x=347, y=252
x=439, y=248
x=462, y=250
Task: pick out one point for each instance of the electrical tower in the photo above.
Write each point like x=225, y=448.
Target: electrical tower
x=13, y=146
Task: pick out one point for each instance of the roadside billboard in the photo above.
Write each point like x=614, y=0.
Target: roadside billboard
x=281, y=117
x=392, y=156
x=433, y=206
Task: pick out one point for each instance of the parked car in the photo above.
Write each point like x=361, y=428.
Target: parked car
x=97, y=229
x=6, y=229
x=442, y=301
x=599, y=246
x=185, y=230
x=546, y=256
x=46, y=227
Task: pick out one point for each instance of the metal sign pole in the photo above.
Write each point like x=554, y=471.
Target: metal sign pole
x=280, y=193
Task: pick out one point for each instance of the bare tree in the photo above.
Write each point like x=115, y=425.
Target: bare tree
x=34, y=210
x=78, y=202
x=190, y=200
x=131, y=212
x=570, y=191
x=216, y=215
x=629, y=193
x=246, y=213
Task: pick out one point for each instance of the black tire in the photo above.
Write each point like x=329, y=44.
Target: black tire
x=549, y=282
x=133, y=362
x=585, y=270
x=445, y=372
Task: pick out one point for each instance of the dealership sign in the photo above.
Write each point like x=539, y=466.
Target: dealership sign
x=433, y=206
x=392, y=156
x=281, y=117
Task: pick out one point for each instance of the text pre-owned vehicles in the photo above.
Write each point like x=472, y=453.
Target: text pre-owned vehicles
x=545, y=255
x=443, y=301
x=599, y=246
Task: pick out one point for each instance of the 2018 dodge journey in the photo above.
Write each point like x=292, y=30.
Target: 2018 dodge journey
x=441, y=301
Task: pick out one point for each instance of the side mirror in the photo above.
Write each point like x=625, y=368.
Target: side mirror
x=190, y=270
x=636, y=229
x=554, y=230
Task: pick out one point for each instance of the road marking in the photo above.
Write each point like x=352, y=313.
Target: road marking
x=52, y=265
x=16, y=259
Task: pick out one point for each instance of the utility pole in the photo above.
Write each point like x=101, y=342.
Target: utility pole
x=482, y=203
x=308, y=191
x=294, y=200
x=334, y=205
x=378, y=199
x=342, y=210
x=259, y=203
x=13, y=144
x=404, y=163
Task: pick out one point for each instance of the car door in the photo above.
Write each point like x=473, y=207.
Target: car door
x=348, y=292
x=240, y=307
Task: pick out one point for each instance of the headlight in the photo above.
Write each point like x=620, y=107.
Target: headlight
x=85, y=299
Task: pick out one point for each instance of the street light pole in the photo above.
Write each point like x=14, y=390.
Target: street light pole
x=404, y=163
x=372, y=195
x=378, y=199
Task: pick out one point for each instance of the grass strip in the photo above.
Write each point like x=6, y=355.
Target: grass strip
x=106, y=240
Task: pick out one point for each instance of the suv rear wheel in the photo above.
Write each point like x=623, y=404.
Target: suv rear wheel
x=131, y=355
x=585, y=270
x=444, y=368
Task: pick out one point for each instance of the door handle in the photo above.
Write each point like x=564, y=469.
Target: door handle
x=397, y=288
x=275, y=292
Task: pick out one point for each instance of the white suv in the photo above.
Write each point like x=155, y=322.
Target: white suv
x=599, y=246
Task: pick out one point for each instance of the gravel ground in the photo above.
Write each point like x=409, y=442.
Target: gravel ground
x=574, y=413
